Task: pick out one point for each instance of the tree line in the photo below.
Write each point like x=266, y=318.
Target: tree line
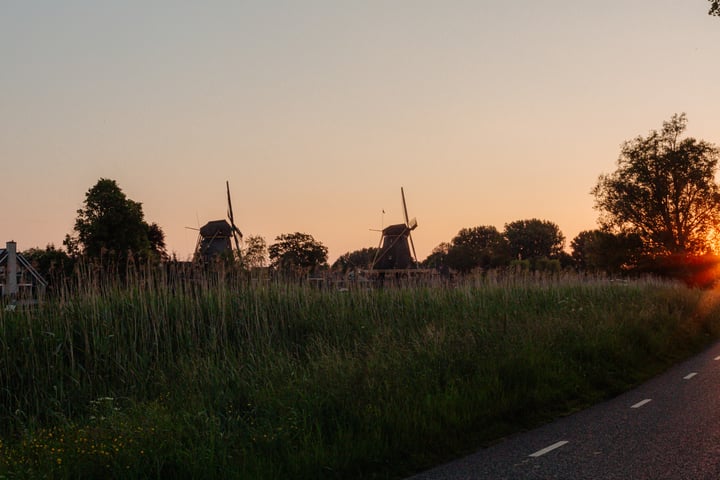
x=659, y=212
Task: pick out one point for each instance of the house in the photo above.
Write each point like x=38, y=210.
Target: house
x=19, y=281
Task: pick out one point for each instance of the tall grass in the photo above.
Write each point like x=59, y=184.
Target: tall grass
x=203, y=376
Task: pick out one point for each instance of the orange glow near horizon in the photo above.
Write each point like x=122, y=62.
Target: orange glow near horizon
x=487, y=112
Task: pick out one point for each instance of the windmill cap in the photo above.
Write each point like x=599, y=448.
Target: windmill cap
x=216, y=227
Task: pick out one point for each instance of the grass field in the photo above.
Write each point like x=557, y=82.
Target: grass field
x=164, y=377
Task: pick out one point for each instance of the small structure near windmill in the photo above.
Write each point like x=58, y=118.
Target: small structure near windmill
x=20, y=283
x=216, y=238
x=397, y=250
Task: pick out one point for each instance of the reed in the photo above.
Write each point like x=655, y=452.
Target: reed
x=201, y=375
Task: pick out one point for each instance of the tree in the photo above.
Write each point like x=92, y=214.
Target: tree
x=438, y=256
x=255, y=252
x=112, y=225
x=156, y=237
x=52, y=263
x=714, y=7
x=663, y=190
x=297, y=253
x=600, y=251
x=357, y=259
x=477, y=247
x=534, y=239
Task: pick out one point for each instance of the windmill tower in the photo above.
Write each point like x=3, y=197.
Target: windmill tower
x=216, y=237
x=397, y=250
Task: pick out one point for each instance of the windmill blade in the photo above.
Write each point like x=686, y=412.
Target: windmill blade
x=378, y=255
x=231, y=217
x=230, y=210
x=235, y=231
x=407, y=220
x=412, y=244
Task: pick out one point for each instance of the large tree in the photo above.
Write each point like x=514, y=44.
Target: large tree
x=111, y=225
x=477, y=247
x=600, y=251
x=534, y=239
x=357, y=259
x=297, y=253
x=663, y=190
x=438, y=256
x=714, y=7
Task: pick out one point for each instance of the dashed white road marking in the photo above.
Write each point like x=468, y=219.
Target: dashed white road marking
x=640, y=404
x=689, y=376
x=545, y=450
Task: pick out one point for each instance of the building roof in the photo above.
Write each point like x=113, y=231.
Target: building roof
x=216, y=228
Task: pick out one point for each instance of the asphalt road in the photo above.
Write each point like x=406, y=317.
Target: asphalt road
x=668, y=428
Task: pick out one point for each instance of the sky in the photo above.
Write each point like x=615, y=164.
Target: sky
x=318, y=111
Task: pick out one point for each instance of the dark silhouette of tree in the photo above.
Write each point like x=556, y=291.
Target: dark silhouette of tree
x=297, y=253
x=112, y=226
x=255, y=252
x=438, y=256
x=534, y=239
x=358, y=259
x=156, y=237
x=477, y=247
x=714, y=7
x=599, y=251
x=52, y=263
x=664, y=191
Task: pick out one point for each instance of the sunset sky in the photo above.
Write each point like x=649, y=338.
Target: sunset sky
x=318, y=111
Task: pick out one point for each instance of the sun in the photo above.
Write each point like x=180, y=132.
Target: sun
x=713, y=240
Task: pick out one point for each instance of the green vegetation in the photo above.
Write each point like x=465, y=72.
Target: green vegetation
x=111, y=227
x=664, y=191
x=169, y=377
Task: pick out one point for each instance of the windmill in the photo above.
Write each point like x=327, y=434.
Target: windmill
x=235, y=230
x=396, y=244
x=217, y=236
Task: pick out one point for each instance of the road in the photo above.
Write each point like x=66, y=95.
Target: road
x=668, y=428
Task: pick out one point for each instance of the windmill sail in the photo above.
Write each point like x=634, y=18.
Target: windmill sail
x=397, y=249
x=216, y=237
x=235, y=230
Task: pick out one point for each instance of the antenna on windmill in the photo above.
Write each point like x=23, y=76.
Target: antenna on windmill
x=235, y=230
